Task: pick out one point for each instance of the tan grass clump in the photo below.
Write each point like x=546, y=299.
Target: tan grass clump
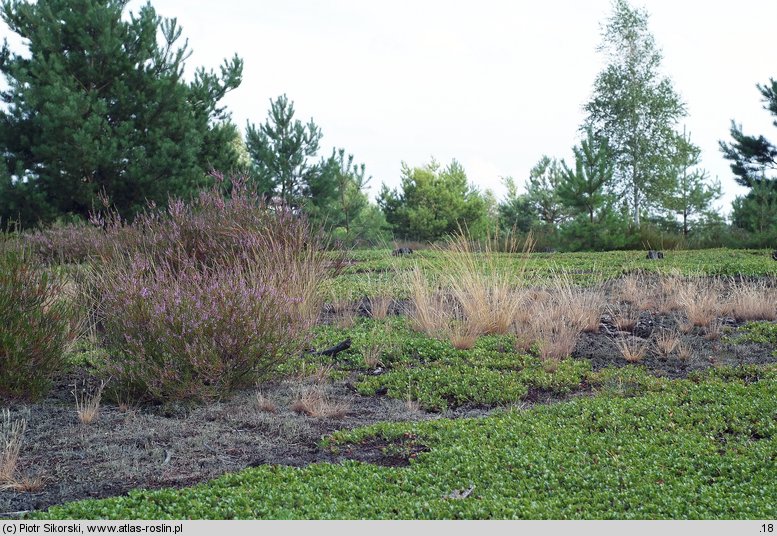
x=750, y=301
x=701, y=300
x=666, y=342
x=633, y=349
x=462, y=336
x=476, y=287
x=625, y=317
x=313, y=402
x=11, y=438
x=429, y=314
x=684, y=352
x=88, y=403
x=713, y=331
x=379, y=306
x=636, y=290
x=482, y=286
x=584, y=305
x=556, y=332
x=667, y=293
x=265, y=404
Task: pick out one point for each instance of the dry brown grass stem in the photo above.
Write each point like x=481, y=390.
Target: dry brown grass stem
x=633, y=349
x=88, y=403
x=313, y=402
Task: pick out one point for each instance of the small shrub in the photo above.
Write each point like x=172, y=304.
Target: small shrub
x=70, y=243
x=35, y=324
x=206, y=297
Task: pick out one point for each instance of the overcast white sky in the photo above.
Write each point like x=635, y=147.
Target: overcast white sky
x=494, y=84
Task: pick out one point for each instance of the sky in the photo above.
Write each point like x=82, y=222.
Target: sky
x=493, y=84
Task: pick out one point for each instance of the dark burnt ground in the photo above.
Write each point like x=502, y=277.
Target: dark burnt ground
x=706, y=349
x=157, y=447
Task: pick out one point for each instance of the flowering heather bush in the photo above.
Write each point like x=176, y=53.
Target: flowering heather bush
x=34, y=324
x=212, y=230
x=207, y=297
x=190, y=333
x=68, y=243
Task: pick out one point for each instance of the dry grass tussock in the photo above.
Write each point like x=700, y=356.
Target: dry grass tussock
x=625, y=317
x=667, y=293
x=477, y=293
x=585, y=305
x=666, y=342
x=554, y=330
x=701, y=300
x=313, y=402
x=636, y=290
x=633, y=349
x=379, y=306
x=88, y=403
x=11, y=440
x=684, y=352
x=749, y=301
x=265, y=404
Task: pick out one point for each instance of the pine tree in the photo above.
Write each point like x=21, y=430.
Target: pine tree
x=542, y=190
x=752, y=156
x=753, y=162
x=283, y=153
x=99, y=105
x=689, y=194
x=586, y=188
x=432, y=202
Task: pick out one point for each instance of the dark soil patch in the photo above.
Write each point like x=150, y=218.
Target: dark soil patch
x=157, y=447
x=380, y=451
x=705, y=351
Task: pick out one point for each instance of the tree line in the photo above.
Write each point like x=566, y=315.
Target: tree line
x=98, y=106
